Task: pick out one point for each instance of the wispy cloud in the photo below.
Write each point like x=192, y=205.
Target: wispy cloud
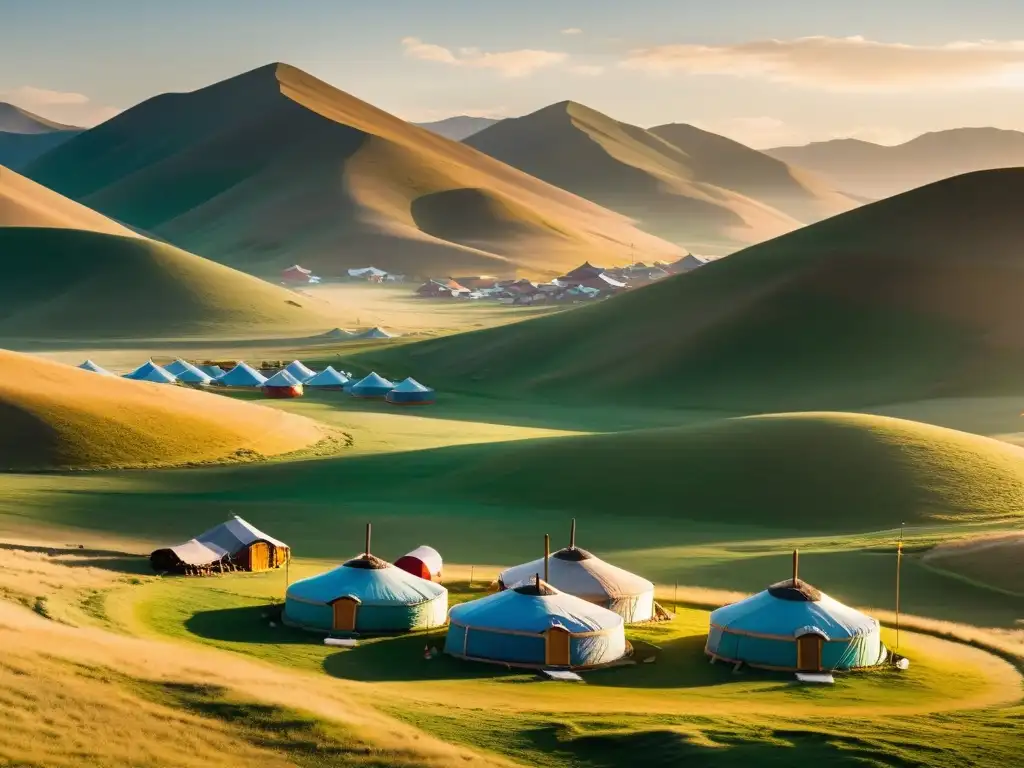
x=63, y=106
x=844, y=62
x=572, y=31
x=519, y=63
x=587, y=70
x=29, y=96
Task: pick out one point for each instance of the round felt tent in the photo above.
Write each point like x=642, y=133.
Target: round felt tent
x=373, y=386
x=89, y=365
x=580, y=573
x=328, y=379
x=300, y=371
x=365, y=594
x=150, y=371
x=423, y=561
x=242, y=376
x=282, y=385
x=410, y=392
x=535, y=625
x=213, y=371
x=189, y=374
x=792, y=626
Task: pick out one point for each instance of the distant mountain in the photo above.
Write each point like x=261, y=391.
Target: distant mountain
x=877, y=171
x=694, y=188
x=25, y=136
x=460, y=127
x=274, y=167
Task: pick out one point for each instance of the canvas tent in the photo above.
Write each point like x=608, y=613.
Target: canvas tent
x=242, y=376
x=410, y=392
x=300, y=371
x=89, y=365
x=792, y=626
x=535, y=625
x=423, y=561
x=282, y=385
x=187, y=373
x=213, y=371
x=328, y=378
x=376, y=333
x=234, y=545
x=150, y=371
x=577, y=572
x=373, y=386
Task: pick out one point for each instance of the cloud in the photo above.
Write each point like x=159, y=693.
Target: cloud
x=62, y=106
x=28, y=96
x=507, y=63
x=587, y=70
x=853, y=63
x=572, y=31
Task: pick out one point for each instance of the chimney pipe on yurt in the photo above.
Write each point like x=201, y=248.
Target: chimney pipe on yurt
x=796, y=566
x=367, y=550
x=572, y=535
x=547, y=555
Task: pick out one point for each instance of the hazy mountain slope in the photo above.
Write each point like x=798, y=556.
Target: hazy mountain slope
x=25, y=136
x=459, y=127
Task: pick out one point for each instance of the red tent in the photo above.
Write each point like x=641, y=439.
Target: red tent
x=296, y=274
x=424, y=562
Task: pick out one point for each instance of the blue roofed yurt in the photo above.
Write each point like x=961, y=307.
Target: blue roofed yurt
x=410, y=392
x=187, y=373
x=373, y=386
x=150, y=371
x=535, y=625
x=89, y=365
x=300, y=371
x=242, y=376
x=328, y=379
x=792, y=626
x=213, y=371
x=365, y=595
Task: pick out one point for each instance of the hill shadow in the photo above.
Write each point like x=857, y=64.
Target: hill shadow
x=249, y=624
x=81, y=557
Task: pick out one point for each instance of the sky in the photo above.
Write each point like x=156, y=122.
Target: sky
x=767, y=73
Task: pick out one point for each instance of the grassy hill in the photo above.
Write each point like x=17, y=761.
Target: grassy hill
x=275, y=167
x=911, y=297
x=73, y=284
x=876, y=171
x=25, y=136
x=23, y=203
x=58, y=417
x=996, y=561
x=683, y=184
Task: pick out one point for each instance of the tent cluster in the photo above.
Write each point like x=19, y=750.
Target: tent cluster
x=231, y=546
x=291, y=380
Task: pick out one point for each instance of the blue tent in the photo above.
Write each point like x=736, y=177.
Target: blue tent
x=794, y=627
x=535, y=625
x=410, y=392
x=242, y=375
x=300, y=371
x=328, y=378
x=372, y=386
x=187, y=373
x=150, y=371
x=213, y=371
x=366, y=594
x=89, y=365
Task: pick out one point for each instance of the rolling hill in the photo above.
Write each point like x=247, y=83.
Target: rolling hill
x=25, y=136
x=75, y=284
x=876, y=171
x=23, y=203
x=459, y=127
x=706, y=192
x=58, y=417
x=911, y=297
x=275, y=167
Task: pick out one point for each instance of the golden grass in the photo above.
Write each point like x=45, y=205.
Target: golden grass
x=56, y=416
x=995, y=560
x=23, y=203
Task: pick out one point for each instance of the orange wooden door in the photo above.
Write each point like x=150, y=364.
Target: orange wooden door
x=808, y=653
x=345, y=614
x=557, y=651
x=259, y=556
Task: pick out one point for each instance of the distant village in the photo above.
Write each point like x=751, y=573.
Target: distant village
x=586, y=282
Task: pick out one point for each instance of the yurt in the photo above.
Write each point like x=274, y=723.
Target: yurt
x=423, y=561
x=282, y=385
x=300, y=371
x=89, y=365
x=150, y=371
x=189, y=374
x=373, y=386
x=376, y=333
x=535, y=625
x=328, y=379
x=213, y=371
x=410, y=392
x=365, y=594
x=792, y=626
x=242, y=376
x=234, y=545
x=577, y=572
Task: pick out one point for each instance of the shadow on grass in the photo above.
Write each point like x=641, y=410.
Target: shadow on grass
x=82, y=557
x=249, y=624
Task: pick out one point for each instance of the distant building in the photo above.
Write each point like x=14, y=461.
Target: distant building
x=298, y=275
x=368, y=274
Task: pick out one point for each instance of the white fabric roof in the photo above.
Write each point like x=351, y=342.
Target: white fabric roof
x=150, y=371
x=242, y=375
x=228, y=538
x=282, y=379
x=377, y=333
x=591, y=578
x=510, y=610
x=328, y=377
x=429, y=556
x=89, y=365
x=189, y=373
x=299, y=370
x=411, y=385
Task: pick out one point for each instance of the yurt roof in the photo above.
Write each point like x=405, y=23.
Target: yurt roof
x=150, y=371
x=368, y=583
x=213, y=371
x=373, y=380
x=328, y=377
x=89, y=365
x=411, y=385
x=299, y=370
x=228, y=538
x=179, y=366
x=282, y=379
x=580, y=573
x=783, y=616
x=195, y=377
x=524, y=610
x=242, y=375
x=377, y=333
x=429, y=556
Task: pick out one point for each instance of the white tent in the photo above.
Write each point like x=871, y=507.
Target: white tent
x=89, y=365
x=242, y=375
x=222, y=541
x=188, y=373
x=377, y=333
x=299, y=370
x=282, y=379
x=150, y=371
x=328, y=378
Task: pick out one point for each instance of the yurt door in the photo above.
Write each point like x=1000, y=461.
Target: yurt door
x=808, y=652
x=345, y=614
x=557, y=647
x=259, y=556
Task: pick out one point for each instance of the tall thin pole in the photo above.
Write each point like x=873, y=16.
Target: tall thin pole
x=899, y=561
x=572, y=535
x=547, y=554
x=368, y=527
x=796, y=566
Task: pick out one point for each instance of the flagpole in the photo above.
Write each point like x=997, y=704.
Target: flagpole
x=899, y=561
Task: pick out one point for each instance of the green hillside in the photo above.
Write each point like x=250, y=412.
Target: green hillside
x=65, y=283
x=911, y=297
